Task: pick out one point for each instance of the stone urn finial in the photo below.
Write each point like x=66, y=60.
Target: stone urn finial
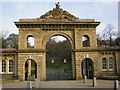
x=57, y=5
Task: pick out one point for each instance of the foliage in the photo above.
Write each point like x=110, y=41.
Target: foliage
x=58, y=51
x=10, y=42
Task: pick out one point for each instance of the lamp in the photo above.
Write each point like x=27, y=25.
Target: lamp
x=65, y=61
x=52, y=61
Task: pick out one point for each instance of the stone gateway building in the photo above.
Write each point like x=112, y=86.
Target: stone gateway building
x=87, y=59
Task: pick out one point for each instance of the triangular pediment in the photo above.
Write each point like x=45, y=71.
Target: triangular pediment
x=58, y=14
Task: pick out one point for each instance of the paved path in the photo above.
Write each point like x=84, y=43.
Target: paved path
x=64, y=84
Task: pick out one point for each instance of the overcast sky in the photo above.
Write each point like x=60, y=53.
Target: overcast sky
x=105, y=12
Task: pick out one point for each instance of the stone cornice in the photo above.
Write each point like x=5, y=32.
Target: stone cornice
x=57, y=25
x=22, y=51
x=99, y=49
x=31, y=51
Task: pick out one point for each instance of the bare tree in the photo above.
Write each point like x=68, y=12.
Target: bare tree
x=108, y=34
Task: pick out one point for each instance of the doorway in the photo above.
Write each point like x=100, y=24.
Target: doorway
x=30, y=70
x=87, y=68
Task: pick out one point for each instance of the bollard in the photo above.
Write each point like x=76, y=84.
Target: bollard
x=37, y=82
x=0, y=86
x=29, y=85
x=116, y=85
x=94, y=82
x=85, y=79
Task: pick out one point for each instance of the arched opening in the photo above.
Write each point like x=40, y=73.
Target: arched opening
x=111, y=63
x=3, y=66
x=30, y=70
x=58, y=58
x=86, y=41
x=11, y=66
x=87, y=68
x=104, y=64
x=30, y=41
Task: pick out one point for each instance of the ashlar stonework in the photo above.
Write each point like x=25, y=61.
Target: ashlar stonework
x=61, y=22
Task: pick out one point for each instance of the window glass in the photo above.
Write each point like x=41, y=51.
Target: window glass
x=111, y=63
x=11, y=65
x=104, y=63
x=3, y=66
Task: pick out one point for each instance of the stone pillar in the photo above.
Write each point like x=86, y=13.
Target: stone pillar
x=73, y=65
x=44, y=67
x=1, y=76
x=0, y=66
x=78, y=74
x=15, y=64
x=29, y=68
x=78, y=70
x=7, y=66
x=41, y=67
x=117, y=55
x=0, y=85
x=21, y=68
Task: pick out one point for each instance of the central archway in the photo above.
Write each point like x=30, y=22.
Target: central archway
x=58, y=58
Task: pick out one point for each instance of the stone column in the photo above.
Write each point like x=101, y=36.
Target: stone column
x=44, y=67
x=29, y=68
x=73, y=65
x=78, y=72
x=7, y=66
x=117, y=55
x=41, y=67
x=0, y=66
x=21, y=68
x=15, y=65
x=78, y=67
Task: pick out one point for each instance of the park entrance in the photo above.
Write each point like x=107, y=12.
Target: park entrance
x=58, y=59
x=54, y=61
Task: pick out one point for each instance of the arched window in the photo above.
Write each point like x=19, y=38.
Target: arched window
x=3, y=66
x=86, y=41
x=30, y=41
x=11, y=65
x=111, y=63
x=104, y=63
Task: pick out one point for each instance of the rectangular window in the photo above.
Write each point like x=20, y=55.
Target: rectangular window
x=104, y=64
x=111, y=67
x=3, y=66
x=11, y=63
